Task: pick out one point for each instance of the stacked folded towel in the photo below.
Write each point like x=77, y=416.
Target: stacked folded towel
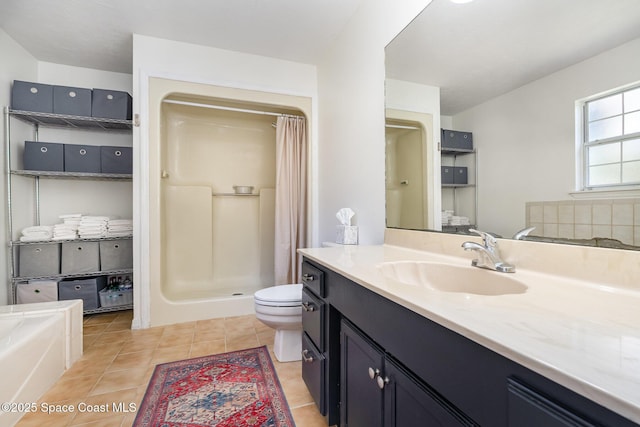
x=68, y=229
x=446, y=217
x=459, y=220
x=36, y=233
x=119, y=227
x=92, y=227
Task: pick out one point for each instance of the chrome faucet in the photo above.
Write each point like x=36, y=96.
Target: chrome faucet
x=488, y=253
x=520, y=235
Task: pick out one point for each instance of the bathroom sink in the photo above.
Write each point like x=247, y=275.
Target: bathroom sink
x=452, y=278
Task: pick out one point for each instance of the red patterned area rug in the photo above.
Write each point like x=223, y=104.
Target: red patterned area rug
x=237, y=389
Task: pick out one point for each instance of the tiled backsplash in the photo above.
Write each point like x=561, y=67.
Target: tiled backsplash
x=584, y=219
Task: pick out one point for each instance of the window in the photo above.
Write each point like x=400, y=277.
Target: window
x=612, y=139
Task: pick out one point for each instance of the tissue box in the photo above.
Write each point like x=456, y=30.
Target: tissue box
x=347, y=234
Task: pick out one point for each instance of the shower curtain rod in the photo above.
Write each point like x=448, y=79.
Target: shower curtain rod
x=402, y=127
x=219, y=107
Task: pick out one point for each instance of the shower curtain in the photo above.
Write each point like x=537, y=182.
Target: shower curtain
x=291, y=197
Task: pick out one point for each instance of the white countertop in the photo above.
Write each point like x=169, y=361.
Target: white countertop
x=581, y=335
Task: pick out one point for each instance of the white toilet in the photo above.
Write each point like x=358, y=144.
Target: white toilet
x=280, y=307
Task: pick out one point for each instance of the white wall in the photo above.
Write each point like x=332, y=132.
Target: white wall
x=17, y=64
x=526, y=138
x=351, y=121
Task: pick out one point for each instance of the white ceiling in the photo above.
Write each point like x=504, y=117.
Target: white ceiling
x=98, y=33
x=479, y=50
x=472, y=51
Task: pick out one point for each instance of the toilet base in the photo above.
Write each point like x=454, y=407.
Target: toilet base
x=287, y=345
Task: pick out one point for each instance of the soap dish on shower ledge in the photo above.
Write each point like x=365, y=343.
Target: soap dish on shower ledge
x=243, y=189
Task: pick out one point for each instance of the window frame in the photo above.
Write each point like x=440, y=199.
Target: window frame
x=583, y=143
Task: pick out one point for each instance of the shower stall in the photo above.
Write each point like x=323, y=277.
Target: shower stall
x=212, y=177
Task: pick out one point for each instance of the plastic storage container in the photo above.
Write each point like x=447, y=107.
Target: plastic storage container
x=111, y=104
x=74, y=101
x=29, y=96
x=85, y=289
x=114, y=298
x=80, y=257
x=37, y=291
x=39, y=260
x=116, y=254
x=81, y=158
x=447, y=174
x=116, y=159
x=457, y=140
x=43, y=156
x=460, y=175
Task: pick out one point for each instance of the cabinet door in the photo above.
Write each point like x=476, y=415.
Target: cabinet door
x=408, y=403
x=527, y=408
x=361, y=398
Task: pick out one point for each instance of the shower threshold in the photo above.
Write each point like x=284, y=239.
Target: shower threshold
x=218, y=292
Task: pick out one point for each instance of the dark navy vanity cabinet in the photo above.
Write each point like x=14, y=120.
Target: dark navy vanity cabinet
x=369, y=362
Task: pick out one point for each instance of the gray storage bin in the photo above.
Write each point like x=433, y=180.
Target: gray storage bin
x=447, y=174
x=80, y=257
x=116, y=159
x=457, y=140
x=73, y=101
x=85, y=289
x=37, y=291
x=116, y=254
x=43, y=156
x=111, y=104
x=39, y=260
x=460, y=175
x=81, y=158
x=29, y=96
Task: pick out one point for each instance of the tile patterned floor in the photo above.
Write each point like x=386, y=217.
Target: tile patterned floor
x=118, y=363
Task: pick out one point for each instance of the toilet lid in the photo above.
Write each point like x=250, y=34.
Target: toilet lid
x=280, y=294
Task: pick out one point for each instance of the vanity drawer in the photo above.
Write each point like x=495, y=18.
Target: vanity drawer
x=313, y=310
x=313, y=369
x=313, y=278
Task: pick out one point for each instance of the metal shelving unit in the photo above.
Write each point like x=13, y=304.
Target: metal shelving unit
x=66, y=121
x=38, y=119
x=454, y=153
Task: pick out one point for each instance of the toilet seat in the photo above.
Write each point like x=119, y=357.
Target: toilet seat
x=280, y=296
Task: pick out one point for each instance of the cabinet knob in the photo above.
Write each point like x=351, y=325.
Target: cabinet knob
x=307, y=307
x=373, y=373
x=382, y=381
x=306, y=357
x=308, y=277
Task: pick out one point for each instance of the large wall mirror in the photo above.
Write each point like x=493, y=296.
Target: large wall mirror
x=514, y=75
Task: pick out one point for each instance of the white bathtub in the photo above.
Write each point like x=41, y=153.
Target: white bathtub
x=38, y=342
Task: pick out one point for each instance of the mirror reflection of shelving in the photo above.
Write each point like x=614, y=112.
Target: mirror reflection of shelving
x=459, y=181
